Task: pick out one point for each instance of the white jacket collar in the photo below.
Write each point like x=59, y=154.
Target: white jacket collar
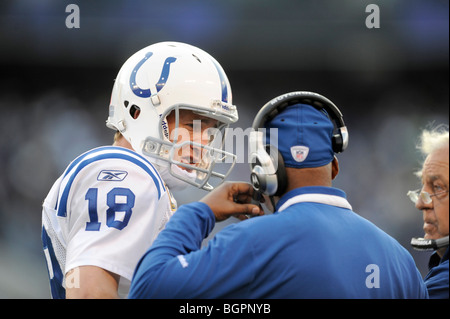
x=332, y=200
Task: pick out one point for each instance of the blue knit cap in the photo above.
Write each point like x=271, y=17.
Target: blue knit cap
x=304, y=136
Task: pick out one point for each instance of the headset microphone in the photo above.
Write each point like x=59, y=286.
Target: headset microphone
x=429, y=244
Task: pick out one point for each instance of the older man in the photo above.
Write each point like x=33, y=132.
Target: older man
x=432, y=200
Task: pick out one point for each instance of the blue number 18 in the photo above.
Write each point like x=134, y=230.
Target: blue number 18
x=113, y=206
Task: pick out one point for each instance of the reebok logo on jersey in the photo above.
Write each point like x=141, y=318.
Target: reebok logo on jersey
x=112, y=175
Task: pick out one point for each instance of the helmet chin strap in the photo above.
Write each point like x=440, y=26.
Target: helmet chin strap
x=173, y=182
x=174, y=176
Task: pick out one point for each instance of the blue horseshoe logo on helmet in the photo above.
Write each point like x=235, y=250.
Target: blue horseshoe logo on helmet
x=162, y=79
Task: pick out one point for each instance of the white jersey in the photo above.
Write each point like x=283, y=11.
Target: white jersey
x=105, y=211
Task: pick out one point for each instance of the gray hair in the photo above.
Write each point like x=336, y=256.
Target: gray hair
x=433, y=139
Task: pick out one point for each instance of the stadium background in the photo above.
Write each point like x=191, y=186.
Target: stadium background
x=390, y=83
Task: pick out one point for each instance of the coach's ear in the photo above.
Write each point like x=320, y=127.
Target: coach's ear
x=334, y=168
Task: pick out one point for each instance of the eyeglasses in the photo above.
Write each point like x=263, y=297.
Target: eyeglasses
x=417, y=194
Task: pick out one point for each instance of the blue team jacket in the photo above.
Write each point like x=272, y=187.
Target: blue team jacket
x=313, y=246
x=437, y=278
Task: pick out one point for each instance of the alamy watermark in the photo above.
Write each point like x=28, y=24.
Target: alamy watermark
x=373, y=279
x=231, y=140
x=373, y=19
x=73, y=19
x=72, y=279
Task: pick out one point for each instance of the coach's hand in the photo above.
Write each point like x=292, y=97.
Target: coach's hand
x=232, y=199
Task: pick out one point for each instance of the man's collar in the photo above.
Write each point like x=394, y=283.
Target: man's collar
x=316, y=194
x=435, y=259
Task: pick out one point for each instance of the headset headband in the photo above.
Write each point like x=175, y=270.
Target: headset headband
x=278, y=104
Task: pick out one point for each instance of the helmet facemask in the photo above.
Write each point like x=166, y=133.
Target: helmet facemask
x=189, y=157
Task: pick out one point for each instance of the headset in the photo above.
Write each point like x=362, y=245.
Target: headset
x=268, y=173
x=429, y=244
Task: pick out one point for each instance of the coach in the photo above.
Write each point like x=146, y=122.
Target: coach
x=432, y=200
x=313, y=246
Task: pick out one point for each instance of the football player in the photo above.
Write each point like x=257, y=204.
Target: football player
x=169, y=107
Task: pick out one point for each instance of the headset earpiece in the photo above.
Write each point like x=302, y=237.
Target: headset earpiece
x=274, y=183
x=337, y=143
x=340, y=140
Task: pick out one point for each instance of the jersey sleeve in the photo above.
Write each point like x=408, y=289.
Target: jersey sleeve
x=115, y=207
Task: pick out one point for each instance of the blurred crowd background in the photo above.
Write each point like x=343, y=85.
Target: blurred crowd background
x=390, y=83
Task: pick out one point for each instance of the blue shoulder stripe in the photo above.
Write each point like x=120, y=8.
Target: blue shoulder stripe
x=108, y=148
x=83, y=162
x=82, y=157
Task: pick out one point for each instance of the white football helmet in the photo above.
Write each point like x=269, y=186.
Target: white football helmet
x=168, y=77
